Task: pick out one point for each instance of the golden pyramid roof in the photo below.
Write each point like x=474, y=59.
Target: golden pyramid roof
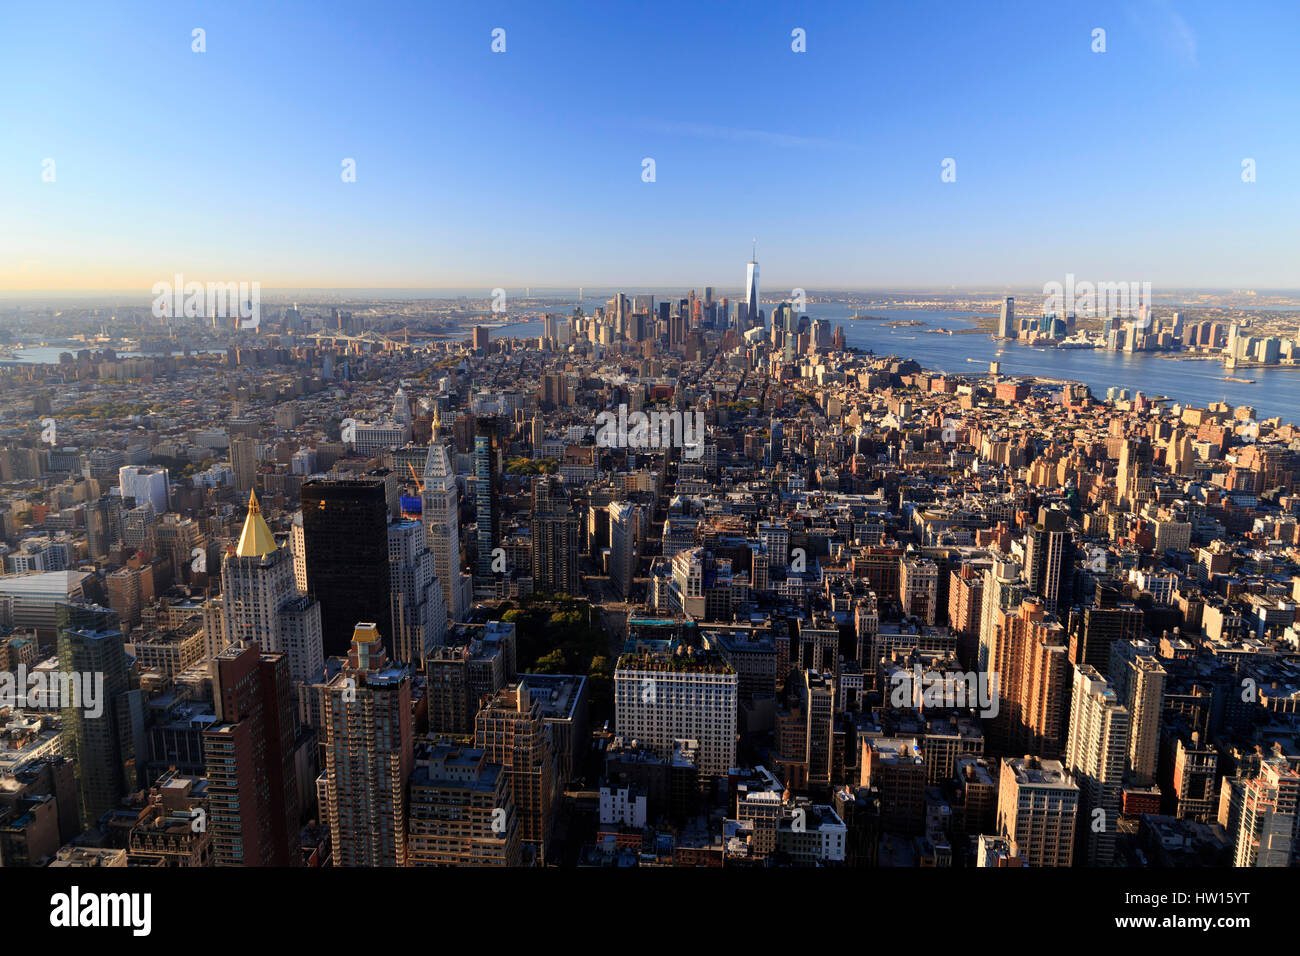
x=256, y=539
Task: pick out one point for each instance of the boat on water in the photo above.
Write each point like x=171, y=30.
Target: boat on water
x=1243, y=381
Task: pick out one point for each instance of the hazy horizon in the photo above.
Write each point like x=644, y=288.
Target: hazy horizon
x=770, y=291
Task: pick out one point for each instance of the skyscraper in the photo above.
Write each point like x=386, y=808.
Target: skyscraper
x=1003, y=588
x=243, y=461
x=510, y=730
x=298, y=545
x=1095, y=753
x=775, y=448
x=1049, y=557
x=1269, y=816
x=918, y=588
x=1030, y=667
x=1145, y=700
x=252, y=792
x=557, y=531
x=103, y=741
x=447, y=683
x=1095, y=631
x=441, y=517
x=819, y=738
x=103, y=525
x=177, y=538
x=369, y=752
x=419, y=615
x=345, y=529
x=485, y=498
x=260, y=601
x=1007, y=319
x=622, y=546
x=1195, y=778
x=752, y=306
x=146, y=485
x=965, y=601
x=1133, y=477
x=401, y=407
x=678, y=325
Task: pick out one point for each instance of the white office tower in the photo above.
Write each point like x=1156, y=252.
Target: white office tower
x=661, y=698
x=1007, y=319
x=441, y=516
x=622, y=546
x=419, y=609
x=146, y=486
x=1095, y=752
x=260, y=601
x=752, y=306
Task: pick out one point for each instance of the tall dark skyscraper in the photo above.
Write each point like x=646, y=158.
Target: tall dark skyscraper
x=775, y=443
x=1049, y=557
x=679, y=322
x=485, y=496
x=105, y=741
x=345, y=531
x=556, y=534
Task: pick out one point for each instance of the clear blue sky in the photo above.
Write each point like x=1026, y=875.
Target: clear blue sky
x=475, y=168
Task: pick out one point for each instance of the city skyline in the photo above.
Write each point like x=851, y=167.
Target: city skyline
x=403, y=467
x=776, y=291
x=994, y=618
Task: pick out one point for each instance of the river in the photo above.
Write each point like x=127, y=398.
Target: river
x=1275, y=392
